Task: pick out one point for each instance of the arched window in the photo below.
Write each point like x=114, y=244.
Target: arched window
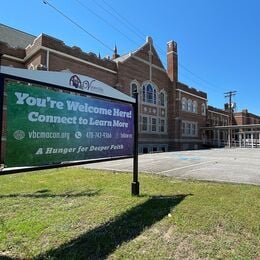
x=144, y=93
x=184, y=104
x=189, y=105
x=162, y=99
x=194, y=107
x=154, y=96
x=203, y=109
x=133, y=89
x=149, y=94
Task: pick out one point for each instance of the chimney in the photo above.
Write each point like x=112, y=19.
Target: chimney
x=172, y=61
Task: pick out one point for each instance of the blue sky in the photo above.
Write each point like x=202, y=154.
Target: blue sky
x=218, y=40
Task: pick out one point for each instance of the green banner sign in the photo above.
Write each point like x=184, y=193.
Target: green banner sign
x=47, y=126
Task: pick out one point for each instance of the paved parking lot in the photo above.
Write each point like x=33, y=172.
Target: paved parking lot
x=240, y=165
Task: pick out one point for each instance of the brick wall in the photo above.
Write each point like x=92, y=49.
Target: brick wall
x=142, y=66
x=245, y=118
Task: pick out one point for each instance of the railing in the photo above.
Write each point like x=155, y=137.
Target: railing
x=244, y=143
x=234, y=143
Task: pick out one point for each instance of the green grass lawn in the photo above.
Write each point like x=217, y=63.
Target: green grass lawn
x=74, y=213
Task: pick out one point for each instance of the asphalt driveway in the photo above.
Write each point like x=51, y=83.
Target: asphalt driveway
x=240, y=165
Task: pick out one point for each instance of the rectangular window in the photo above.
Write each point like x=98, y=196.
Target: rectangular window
x=193, y=130
x=183, y=128
x=162, y=126
x=188, y=129
x=145, y=123
x=154, y=125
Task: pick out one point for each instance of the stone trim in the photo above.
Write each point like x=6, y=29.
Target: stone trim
x=61, y=54
x=183, y=91
x=148, y=63
x=218, y=113
x=12, y=58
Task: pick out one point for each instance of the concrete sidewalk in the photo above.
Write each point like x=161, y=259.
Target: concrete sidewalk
x=240, y=165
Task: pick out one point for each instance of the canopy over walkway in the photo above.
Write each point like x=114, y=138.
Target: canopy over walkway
x=232, y=136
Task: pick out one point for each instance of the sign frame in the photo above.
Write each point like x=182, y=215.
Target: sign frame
x=13, y=76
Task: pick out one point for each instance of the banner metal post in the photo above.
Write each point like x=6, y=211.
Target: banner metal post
x=135, y=183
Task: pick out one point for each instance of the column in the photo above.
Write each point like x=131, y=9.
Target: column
x=218, y=138
x=240, y=139
x=226, y=137
x=229, y=138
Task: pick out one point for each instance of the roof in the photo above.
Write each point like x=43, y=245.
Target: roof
x=122, y=58
x=217, y=110
x=15, y=38
x=127, y=56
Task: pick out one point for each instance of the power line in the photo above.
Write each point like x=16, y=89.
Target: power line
x=106, y=22
x=196, y=81
x=127, y=24
x=123, y=18
x=140, y=34
x=78, y=25
x=198, y=77
x=120, y=20
x=132, y=27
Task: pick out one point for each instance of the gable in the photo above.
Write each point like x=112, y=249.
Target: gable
x=144, y=51
x=144, y=54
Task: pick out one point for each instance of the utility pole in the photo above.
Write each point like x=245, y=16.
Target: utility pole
x=229, y=95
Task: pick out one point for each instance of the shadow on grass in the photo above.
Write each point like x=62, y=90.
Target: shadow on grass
x=103, y=240
x=47, y=194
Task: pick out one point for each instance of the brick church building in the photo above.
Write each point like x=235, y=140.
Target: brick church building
x=171, y=113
